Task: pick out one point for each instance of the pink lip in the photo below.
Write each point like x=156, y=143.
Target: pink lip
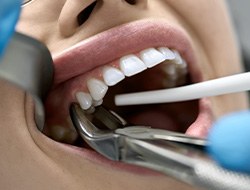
x=112, y=44
x=119, y=41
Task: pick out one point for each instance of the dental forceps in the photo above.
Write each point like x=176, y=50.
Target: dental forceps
x=176, y=155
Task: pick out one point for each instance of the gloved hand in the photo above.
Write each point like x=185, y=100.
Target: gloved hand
x=9, y=12
x=230, y=142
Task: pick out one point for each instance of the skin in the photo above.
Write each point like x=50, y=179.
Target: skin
x=30, y=160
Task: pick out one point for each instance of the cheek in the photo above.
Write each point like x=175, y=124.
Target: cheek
x=209, y=24
x=37, y=20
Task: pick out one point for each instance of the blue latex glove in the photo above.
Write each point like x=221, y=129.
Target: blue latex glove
x=9, y=12
x=230, y=142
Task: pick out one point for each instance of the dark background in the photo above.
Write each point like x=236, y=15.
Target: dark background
x=240, y=11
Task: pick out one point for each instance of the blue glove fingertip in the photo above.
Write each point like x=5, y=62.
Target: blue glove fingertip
x=230, y=142
x=9, y=13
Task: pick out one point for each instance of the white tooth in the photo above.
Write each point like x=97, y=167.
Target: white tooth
x=151, y=57
x=112, y=76
x=84, y=99
x=98, y=103
x=179, y=61
x=131, y=65
x=169, y=55
x=170, y=70
x=182, y=69
x=97, y=89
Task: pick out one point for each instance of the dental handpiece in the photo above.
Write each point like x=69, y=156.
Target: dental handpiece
x=28, y=64
x=220, y=86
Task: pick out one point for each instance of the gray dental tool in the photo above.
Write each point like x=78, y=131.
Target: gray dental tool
x=28, y=64
x=174, y=154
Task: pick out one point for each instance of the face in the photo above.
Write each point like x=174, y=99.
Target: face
x=101, y=48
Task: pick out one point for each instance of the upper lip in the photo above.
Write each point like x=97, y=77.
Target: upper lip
x=122, y=40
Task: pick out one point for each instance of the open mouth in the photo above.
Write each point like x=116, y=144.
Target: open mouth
x=138, y=56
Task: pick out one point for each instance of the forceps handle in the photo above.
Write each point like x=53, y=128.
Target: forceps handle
x=148, y=133
x=183, y=163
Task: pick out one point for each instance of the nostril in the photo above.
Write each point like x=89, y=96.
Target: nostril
x=131, y=2
x=84, y=15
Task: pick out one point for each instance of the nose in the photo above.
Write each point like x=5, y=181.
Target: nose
x=76, y=13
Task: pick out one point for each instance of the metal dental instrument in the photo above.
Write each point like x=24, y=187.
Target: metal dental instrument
x=28, y=64
x=220, y=86
x=176, y=155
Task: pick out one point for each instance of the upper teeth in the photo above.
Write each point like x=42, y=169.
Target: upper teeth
x=130, y=65
x=97, y=89
x=152, y=57
x=84, y=99
x=112, y=76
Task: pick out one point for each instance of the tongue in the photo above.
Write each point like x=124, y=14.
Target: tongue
x=154, y=119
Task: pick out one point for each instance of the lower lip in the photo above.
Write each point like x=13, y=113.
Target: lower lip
x=98, y=159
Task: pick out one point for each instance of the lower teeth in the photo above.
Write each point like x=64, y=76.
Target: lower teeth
x=62, y=134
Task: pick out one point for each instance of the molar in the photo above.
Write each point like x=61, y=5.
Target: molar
x=131, y=65
x=170, y=70
x=62, y=134
x=179, y=61
x=151, y=57
x=97, y=89
x=112, y=76
x=181, y=64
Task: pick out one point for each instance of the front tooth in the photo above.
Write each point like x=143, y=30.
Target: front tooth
x=131, y=65
x=84, y=99
x=112, y=76
x=97, y=89
x=151, y=57
x=169, y=55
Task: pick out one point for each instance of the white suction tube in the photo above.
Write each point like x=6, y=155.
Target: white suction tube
x=220, y=86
